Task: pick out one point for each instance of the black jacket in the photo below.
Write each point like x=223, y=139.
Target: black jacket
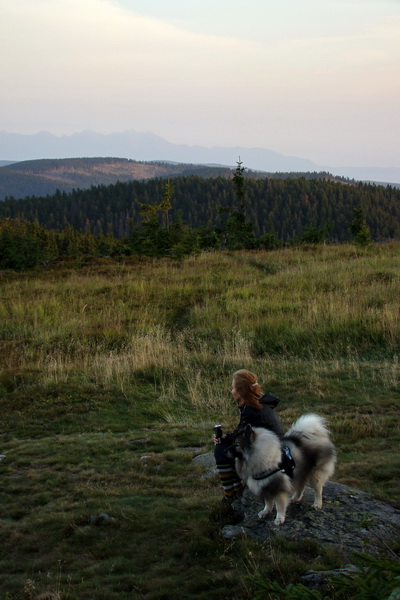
x=266, y=417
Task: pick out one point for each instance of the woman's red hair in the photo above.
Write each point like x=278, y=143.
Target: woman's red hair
x=247, y=386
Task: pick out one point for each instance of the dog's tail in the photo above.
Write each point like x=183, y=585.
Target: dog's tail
x=311, y=426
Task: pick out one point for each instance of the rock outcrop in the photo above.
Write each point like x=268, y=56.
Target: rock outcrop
x=350, y=520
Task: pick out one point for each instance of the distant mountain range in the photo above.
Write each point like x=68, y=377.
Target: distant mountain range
x=150, y=147
x=141, y=147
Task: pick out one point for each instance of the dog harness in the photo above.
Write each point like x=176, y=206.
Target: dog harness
x=286, y=466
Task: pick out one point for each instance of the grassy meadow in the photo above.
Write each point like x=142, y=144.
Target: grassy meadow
x=113, y=374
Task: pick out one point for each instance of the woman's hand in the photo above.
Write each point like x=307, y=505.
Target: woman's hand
x=217, y=440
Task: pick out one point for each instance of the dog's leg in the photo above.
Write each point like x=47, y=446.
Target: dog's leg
x=320, y=476
x=317, y=494
x=267, y=509
x=297, y=496
x=281, y=503
x=298, y=485
x=318, y=500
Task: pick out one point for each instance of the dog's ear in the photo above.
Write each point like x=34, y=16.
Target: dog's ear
x=249, y=435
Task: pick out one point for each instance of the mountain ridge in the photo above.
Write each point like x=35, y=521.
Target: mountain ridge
x=148, y=146
x=142, y=146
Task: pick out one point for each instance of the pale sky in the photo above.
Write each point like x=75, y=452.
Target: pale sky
x=318, y=79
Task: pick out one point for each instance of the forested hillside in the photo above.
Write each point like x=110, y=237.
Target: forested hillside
x=45, y=177
x=284, y=207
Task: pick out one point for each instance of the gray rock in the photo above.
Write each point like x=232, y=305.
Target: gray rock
x=316, y=580
x=232, y=531
x=204, y=460
x=209, y=474
x=101, y=519
x=350, y=520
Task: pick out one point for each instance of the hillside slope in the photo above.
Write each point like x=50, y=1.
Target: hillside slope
x=43, y=177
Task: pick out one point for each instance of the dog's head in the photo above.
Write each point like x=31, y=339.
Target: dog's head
x=242, y=442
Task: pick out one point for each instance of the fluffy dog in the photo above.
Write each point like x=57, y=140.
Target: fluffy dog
x=258, y=462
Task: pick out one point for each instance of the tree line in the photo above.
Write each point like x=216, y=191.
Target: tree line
x=284, y=207
x=189, y=214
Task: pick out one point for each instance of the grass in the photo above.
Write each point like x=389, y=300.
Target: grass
x=113, y=374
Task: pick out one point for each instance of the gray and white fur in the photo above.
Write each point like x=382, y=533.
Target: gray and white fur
x=258, y=451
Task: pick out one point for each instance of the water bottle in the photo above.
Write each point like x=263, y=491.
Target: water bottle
x=218, y=432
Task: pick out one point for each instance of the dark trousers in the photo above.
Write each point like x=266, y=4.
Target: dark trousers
x=230, y=480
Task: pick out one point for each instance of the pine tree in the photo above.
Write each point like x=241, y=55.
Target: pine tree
x=239, y=232
x=359, y=228
x=165, y=204
x=238, y=180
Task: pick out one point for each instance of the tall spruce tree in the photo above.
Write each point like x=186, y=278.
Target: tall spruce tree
x=165, y=204
x=238, y=179
x=359, y=228
x=239, y=232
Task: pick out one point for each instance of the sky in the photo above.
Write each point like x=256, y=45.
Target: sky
x=319, y=79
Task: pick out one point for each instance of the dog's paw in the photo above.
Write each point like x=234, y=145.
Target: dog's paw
x=263, y=513
x=295, y=499
x=279, y=520
x=317, y=505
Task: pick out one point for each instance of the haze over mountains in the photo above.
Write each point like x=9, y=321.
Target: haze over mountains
x=150, y=147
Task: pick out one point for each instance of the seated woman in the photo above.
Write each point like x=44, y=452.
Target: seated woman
x=255, y=409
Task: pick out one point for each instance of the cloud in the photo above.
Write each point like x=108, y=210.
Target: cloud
x=97, y=49
x=56, y=46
